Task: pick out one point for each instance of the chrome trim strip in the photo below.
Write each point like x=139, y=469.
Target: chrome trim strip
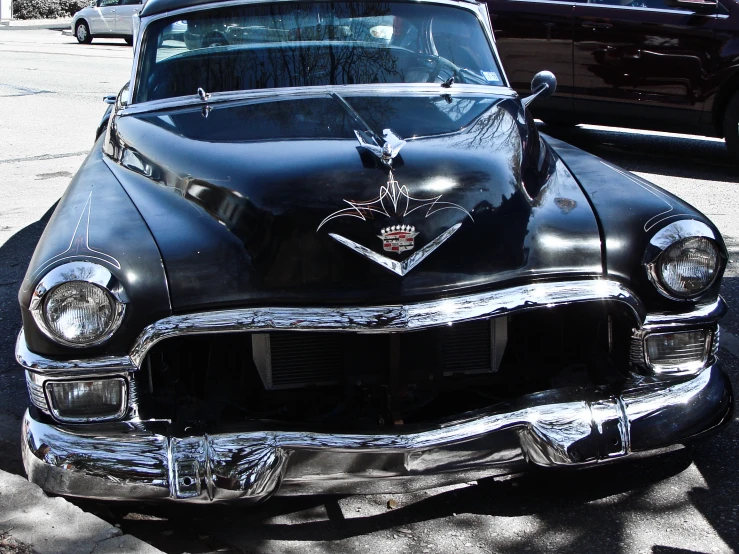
x=386, y=319
x=370, y=319
x=398, y=267
x=68, y=368
x=553, y=428
x=707, y=313
x=349, y=91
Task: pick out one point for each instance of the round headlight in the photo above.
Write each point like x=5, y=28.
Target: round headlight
x=79, y=312
x=688, y=267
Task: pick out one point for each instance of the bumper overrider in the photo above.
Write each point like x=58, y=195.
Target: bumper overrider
x=136, y=459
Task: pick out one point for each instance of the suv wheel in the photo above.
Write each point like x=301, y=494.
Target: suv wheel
x=731, y=127
x=82, y=32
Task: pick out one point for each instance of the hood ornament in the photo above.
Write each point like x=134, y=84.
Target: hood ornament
x=387, y=152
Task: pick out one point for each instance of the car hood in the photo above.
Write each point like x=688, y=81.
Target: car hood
x=274, y=201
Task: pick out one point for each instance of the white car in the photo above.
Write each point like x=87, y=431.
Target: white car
x=106, y=18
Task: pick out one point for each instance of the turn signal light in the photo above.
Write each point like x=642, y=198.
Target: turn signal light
x=87, y=401
x=682, y=352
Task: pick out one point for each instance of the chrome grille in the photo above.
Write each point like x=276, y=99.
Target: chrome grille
x=36, y=391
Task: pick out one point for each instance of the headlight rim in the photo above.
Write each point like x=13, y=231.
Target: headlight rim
x=665, y=239
x=86, y=272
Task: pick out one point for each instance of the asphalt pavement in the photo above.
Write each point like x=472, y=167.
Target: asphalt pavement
x=51, y=92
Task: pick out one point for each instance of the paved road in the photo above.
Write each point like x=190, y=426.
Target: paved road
x=50, y=104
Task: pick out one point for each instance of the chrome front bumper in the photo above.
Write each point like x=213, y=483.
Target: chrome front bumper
x=566, y=427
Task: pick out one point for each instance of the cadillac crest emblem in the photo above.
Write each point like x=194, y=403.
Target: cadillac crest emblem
x=398, y=238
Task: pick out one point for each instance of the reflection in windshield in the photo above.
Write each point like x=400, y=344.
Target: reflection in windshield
x=314, y=44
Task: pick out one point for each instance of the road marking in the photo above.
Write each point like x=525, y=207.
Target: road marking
x=44, y=157
x=730, y=343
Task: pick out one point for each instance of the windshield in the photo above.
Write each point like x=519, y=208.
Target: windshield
x=290, y=44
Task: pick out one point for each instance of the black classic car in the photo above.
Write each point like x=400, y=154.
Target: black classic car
x=669, y=65
x=338, y=256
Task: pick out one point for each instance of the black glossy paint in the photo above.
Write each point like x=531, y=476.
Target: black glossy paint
x=115, y=229
x=630, y=211
x=641, y=64
x=236, y=210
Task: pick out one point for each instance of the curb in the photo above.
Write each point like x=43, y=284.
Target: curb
x=37, y=25
x=56, y=526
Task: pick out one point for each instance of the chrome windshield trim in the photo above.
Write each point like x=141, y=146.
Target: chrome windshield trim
x=469, y=5
x=267, y=94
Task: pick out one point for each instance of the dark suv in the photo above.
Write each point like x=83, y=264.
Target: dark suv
x=670, y=65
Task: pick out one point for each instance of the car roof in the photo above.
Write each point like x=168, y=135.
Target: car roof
x=155, y=7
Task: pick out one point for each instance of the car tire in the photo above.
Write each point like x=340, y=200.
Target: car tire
x=129, y=40
x=731, y=127
x=82, y=33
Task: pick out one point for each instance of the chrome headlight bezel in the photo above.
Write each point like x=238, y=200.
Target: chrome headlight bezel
x=85, y=272
x=666, y=238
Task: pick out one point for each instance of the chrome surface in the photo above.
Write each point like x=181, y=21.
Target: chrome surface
x=543, y=86
x=122, y=410
x=398, y=267
x=706, y=313
x=37, y=383
x=261, y=95
x=666, y=237
x=144, y=22
x=638, y=353
x=388, y=151
x=380, y=319
x=78, y=271
x=553, y=428
x=68, y=368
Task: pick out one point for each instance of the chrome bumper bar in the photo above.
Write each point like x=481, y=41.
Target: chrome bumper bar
x=566, y=427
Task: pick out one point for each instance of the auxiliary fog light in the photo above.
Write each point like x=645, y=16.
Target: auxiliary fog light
x=92, y=400
x=676, y=353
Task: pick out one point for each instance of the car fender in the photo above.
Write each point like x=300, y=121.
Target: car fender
x=96, y=221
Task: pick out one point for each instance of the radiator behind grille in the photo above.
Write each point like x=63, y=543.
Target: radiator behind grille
x=292, y=360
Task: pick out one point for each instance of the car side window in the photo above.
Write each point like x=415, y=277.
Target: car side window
x=130, y=2
x=653, y=4
x=106, y=3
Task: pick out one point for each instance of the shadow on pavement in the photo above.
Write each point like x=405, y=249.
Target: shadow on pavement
x=15, y=255
x=566, y=503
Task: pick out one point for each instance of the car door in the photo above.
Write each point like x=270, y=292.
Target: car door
x=531, y=36
x=104, y=21
x=124, y=16
x=642, y=63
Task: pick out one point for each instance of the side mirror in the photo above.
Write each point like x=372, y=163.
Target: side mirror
x=696, y=6
x=543, y=85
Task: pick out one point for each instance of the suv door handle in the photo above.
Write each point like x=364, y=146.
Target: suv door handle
x=596, y=25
